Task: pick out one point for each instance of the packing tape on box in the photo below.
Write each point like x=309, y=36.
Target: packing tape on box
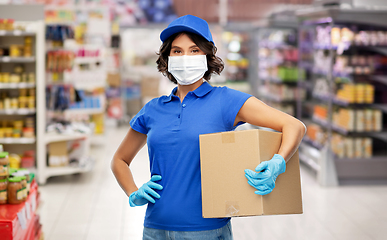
x=232, y=208
x=228, y=137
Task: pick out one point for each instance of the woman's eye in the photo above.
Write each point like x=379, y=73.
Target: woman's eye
x=177, y=51
x=195, y=50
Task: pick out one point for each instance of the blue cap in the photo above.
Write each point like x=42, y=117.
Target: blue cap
x=187, y=23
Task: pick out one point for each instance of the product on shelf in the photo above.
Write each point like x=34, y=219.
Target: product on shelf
x=3, y=190
x=18, y=128
x=26, y=179
x=316, y=134
x=14, y=161
x=4, y=165
x=28, y=159
x=356, y=93
x=7, y=24
x=57, y=34
x=283, y=92
x=17, y=76
x=59, y=61
x=15, y=190
x=320, y=112
x=18, y=50
x=351, y=147
x=327, y=36
x=360, y=120
x=360, y=65
x=99, y=123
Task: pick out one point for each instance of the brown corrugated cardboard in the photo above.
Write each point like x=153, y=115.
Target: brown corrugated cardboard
x=225, y=191
x=150, y=86
x=114, y=79
x=58, y=154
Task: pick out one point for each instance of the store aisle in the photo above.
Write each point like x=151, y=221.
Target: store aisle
x=91, y=206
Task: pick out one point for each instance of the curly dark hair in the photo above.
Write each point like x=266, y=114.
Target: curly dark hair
x=214, y=63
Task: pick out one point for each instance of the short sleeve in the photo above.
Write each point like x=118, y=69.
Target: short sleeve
x=138, y=122
x=232, y=101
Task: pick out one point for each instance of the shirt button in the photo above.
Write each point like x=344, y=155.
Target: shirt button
x=184, y=105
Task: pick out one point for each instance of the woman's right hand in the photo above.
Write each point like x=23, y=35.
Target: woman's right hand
x=145, y=193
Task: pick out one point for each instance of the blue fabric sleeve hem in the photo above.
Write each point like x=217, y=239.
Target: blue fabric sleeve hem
x=137, y=128
x=239, y=106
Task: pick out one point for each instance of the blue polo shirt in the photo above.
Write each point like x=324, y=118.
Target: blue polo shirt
x=173, y=128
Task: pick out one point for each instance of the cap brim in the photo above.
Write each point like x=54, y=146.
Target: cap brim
x=177, y=29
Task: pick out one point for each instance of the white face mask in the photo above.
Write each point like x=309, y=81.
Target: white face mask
x=187, y=69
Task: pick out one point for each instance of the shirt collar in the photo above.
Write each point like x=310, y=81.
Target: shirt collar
x=199, y=92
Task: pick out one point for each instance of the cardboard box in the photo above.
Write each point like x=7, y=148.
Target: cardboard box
x=58, y=154
x=114, y=79
x=225, y=192
x=150, y=86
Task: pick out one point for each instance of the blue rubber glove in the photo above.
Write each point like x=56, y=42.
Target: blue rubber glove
x=266, y=174
x=145, y=193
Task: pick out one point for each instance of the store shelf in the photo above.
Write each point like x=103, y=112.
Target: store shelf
x=67, y=170
x=17, y=221
x=306, y=64
x=365, y=168
x=271, y=97
x=88, y=60
x=17, y=59
x=21, y=111
x=278, y=80
x=16, y=85
x=324, y=123
x=343, y=103
x=309, y=156
x=55, y=137
x=17, y=140
x=84, y=110
x=380, y=79
x=16, y=33
x=309, y=141
x=98, y=139
x=275, y=45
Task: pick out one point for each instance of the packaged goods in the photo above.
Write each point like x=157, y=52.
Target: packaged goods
x=349, y=148
x=27, y=161
x=368, y=115
x=358, y=147
x=14, y=50
x=8, y=132
x=18, y=124
x=378, y=120
x=16, y=133
x=31, y=77
x=4, y=165
x=14, y=103
x=5, y=77
x=360, y=121
x=367, y=147
x=15, y=190
x=14, y=78
x=3, y=191
x=28, y=132
x=14, y=161
x=22, y=172
x=8, y=24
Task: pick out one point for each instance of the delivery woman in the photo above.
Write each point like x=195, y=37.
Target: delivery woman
x=171, y=125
